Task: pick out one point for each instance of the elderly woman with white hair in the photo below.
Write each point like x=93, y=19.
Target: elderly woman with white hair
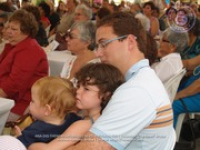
x=83, y=13
x=171, y=44
x=81, y=43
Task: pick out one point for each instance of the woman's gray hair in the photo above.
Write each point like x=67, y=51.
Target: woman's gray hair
x=179, y=39
x=87, y=12
x=87, y=31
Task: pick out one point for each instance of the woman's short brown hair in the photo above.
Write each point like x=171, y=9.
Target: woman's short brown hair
x=28, y=23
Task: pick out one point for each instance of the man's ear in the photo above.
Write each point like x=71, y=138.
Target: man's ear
x=131, y=42
x=47, y=110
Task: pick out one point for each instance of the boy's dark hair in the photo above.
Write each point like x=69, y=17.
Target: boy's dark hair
x=106, y=77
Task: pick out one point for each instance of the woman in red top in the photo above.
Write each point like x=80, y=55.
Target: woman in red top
x=22, y=62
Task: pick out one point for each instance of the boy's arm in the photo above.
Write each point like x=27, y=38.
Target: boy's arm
x=71, y=136
x=91, y=141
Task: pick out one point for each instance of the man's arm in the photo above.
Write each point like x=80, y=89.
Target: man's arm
x=91, y=142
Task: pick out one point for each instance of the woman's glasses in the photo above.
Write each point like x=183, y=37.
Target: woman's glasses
x=70, y=35
x=166, y=41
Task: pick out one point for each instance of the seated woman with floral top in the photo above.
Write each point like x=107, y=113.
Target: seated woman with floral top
x=81, y=43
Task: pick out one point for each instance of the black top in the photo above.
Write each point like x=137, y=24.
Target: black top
x=40, y=131
x=41, y=36
x=54, y=19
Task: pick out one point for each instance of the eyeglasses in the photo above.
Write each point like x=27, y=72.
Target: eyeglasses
x=104, y=43
x=70, y=35
x=166, y=41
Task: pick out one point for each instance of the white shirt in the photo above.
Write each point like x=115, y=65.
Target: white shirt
x=134, y=118
x=168, y=66
x=65, y=73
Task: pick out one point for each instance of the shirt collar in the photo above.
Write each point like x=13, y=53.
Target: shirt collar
x=136, y=67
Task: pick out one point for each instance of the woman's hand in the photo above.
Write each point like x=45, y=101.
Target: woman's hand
x=193, y=89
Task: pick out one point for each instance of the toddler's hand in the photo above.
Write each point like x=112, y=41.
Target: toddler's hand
x=17, y=131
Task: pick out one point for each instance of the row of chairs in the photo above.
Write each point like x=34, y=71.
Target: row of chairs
x=172, y=86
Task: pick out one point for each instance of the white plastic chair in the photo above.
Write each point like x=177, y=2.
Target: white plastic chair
x=51, y=38
x=173, y=83
x=172, y=86
x=179, y=125
x=55, y=67
x=180, y=120
x=47, y=29
x=5, y=106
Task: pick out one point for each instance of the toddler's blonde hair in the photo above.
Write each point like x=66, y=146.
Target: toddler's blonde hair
x=57, y=92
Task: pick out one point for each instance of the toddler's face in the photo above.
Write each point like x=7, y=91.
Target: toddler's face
x=36, y=109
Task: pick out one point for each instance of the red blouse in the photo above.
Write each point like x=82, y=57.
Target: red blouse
x=20, y=66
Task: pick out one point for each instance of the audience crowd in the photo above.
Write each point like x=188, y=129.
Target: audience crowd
x=111, y=88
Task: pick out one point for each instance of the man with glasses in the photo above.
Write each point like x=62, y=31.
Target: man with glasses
x=139, y=114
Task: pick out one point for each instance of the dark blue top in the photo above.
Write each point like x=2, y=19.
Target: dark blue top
x=40, y=131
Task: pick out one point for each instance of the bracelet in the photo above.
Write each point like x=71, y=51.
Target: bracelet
x=196, y=71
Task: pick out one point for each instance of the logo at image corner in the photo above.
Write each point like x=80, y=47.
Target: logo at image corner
x=181, y=20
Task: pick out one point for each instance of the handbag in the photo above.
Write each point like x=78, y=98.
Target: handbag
x=22, y=123
x=187, y=145
x=184, y=146
x=186, y=132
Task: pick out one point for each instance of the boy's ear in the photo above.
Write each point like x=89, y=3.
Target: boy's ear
x=47, y=110
x=106, y=96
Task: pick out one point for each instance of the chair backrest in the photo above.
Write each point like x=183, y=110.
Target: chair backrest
x=5, y=106
x=173, y=83
x=55, y=67
x=51, y=38
x=47, y=29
